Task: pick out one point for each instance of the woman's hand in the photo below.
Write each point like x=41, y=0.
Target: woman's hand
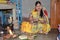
x=43, y=21
x=35, y=19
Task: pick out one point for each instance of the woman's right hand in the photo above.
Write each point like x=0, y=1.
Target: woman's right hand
x=35, y=19
x=42, y=21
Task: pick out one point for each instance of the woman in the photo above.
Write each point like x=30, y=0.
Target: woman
x=40, y=16
x=38, y=20
x=10, y=22
x=9, y=33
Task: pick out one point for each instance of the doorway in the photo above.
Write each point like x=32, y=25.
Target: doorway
x=55, y=13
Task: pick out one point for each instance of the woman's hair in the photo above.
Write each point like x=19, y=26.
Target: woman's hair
x=41, y=13
x=37, y=2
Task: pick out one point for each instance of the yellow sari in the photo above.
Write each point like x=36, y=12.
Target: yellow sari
x=45, y=28
x=36, y=27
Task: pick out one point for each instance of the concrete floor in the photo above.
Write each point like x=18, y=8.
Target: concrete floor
x=51, y=36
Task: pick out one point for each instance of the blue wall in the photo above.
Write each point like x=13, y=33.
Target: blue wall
x=28, y=5
x=18, y=9
x=1, y=15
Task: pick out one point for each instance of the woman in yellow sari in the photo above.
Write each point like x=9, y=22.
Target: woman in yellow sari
x=38, y=20
x=40, y=16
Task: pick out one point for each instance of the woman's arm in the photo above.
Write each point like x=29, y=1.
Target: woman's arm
x=31, y=18
x=45, y=19
x=9, y=30
x=46, y=15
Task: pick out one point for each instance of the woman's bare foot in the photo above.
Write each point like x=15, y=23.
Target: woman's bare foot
x=7, y=36
x=14, y=36
x=46, y=33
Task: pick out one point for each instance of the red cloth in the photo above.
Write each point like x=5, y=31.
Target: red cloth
x=45, y=12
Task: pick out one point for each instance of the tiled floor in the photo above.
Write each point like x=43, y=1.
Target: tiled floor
x=51, y=36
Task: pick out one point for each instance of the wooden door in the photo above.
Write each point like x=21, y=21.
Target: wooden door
x=55, y=13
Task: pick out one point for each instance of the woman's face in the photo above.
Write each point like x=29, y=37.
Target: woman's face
x=38, y=7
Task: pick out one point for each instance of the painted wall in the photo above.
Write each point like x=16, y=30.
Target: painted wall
x=28, y=5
